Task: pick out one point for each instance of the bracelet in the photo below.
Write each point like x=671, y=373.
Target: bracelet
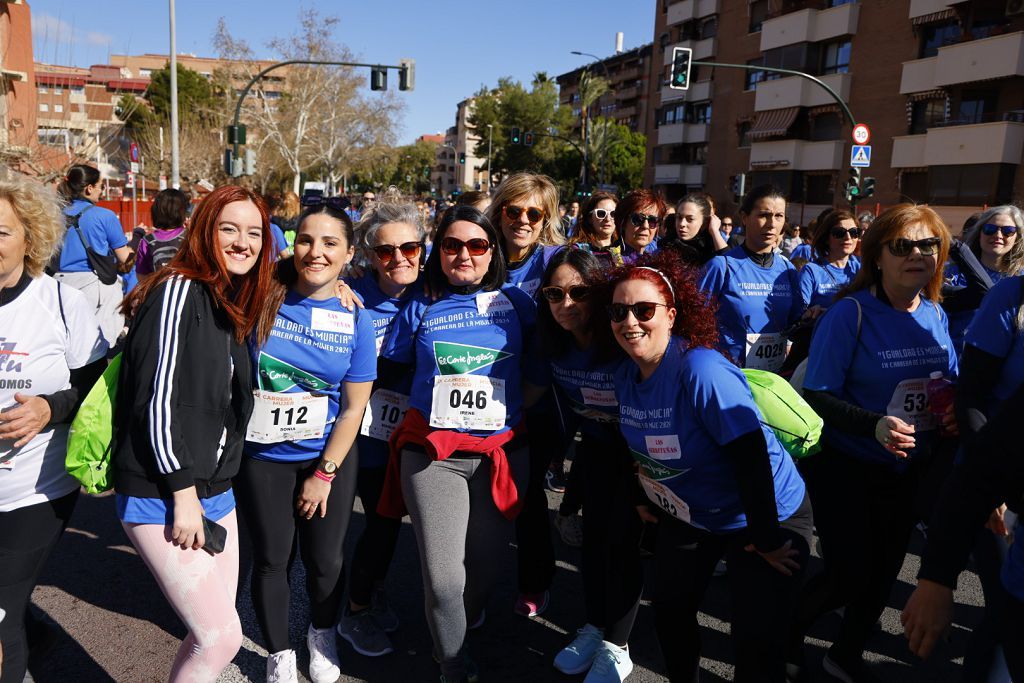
x=323, y=476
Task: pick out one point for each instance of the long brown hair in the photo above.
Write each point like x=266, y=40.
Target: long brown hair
x=243, y=298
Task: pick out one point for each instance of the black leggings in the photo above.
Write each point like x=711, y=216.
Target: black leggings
x=29, y=536
x=536, y=551
x=864, y=514
x=612, y=573
x=266, y=497
x=376, y=545
x=762, y=598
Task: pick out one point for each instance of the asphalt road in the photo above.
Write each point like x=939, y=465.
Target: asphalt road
x=113, y=623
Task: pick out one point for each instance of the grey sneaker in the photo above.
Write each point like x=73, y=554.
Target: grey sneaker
x=323, y=655
x=281, y=667
x=381, y=610
x=364, y=633
x=570, y=528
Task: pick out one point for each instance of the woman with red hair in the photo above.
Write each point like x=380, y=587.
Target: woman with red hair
x=184, y=400
x=637, y=219
x=720, y=483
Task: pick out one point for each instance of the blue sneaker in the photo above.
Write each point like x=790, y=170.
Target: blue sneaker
x=611, y=664
x=578, y=655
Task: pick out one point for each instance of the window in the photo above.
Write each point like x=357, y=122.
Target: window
x=837, y=3
x=758, y=13
x=799, y=56
x=43, y=106
x=974, y=105
x=271, y=95
x=701, y=112
x=58, y=108
x=826, y=127
x=78, y=88
x=685, y=154
x=673, y=113
x=939, y=35
x=926, y=114
x=754, y=76
x=970, y=185
x=42, y=90
x=145, y=73
x=709, y=27
x=836, y=58
x=742, y=130
x=58, y=90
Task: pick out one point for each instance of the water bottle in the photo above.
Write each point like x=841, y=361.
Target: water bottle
x=940, y=396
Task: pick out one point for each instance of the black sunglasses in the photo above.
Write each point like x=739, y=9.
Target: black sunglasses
x=338, y=202
x=841, y=233
x=638, y=219
x=601, y=214
x=477, y=246
x=386, y=252
x=642, y=311
x=556, y=295
x=533, y=214
x=902, y=247
x=991, y=229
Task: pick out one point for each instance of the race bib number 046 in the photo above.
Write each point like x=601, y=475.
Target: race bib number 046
x=468, y=402
x=385, y=410
x=280, y=417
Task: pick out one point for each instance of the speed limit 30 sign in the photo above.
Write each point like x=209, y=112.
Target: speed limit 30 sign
x=861, y=134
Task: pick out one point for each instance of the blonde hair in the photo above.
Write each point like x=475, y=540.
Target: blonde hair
x=290, y=206
x=520, y=185
x=38, y=209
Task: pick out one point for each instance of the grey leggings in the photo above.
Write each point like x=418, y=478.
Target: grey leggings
x=462, y=539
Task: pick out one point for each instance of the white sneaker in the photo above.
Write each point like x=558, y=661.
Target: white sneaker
x=281, y=667
x=578, y=656
x=323, y=655
x=611, y=664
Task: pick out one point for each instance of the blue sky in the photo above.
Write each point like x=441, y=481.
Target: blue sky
x=458, y=45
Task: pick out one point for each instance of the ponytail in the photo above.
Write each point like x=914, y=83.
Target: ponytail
x=77, y=179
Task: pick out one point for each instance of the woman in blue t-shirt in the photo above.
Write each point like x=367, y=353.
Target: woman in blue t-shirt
x=836, y=238
x=458, y=459
x=102, y=232
x=313, y=378
x=867, y=374
x=392, y=238
x=755, y=286
x=718, y=481
x=638, y=217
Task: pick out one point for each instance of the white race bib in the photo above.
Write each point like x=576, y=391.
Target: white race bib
x=286, y=417
x=324, y=320
x=530, y=286
x=599, y=397
x=489, y=303
x=468, y=402
x=664, y=498
x=766, y=351
x=909, y=402
x=383, y=413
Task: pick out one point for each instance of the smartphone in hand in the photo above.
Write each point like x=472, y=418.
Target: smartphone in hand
x=216, y=536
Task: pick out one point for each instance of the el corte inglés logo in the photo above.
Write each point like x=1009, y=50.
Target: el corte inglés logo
x=276, y=375
x=460, y=359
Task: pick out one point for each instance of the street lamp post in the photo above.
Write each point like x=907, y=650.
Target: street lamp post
x=175, y=177
x=490, y=185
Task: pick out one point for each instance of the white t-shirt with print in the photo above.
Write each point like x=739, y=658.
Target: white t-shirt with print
x=37, y=354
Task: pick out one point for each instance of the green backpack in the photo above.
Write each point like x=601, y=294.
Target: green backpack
x=794, y=422
x=92, y=433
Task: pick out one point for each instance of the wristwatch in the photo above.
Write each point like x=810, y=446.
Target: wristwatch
x=328, y=467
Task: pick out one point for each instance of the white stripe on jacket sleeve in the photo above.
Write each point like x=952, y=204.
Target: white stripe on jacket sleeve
x=168, y=339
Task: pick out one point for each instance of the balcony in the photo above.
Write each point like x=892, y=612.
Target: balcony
x=698, y=92
x=680, y=174
x=908, y=151
x=624, y=112
x=702, y=49
x=679, y=133
x=998, y=142
x=794, y=91
x=922, y=8
x=967, y=62
x=627, y=93
x=691, y=9
x=809, y=26
x=798, y=155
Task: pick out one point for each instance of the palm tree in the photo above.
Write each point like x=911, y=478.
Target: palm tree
x=591, y=88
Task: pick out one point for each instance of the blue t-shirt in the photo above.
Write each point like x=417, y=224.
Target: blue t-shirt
x=135, y=510
x=488, y=334
x=820, y=282
x=381, y=309
x=529, y=272
x=960, y=320
x=676, y=422
x=754, y=303
x=804, y=251
x=102, y=231
x=280, y=241
x=1013, y=568
x=629, y=254
x=314, y=347
x=994, y=330
x=884, y=368
x=588, y=387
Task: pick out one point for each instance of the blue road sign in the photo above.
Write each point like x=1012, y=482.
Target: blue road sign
x=860, y=156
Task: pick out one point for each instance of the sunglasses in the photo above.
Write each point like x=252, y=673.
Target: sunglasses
x=841, y=233
x=601, y=214
x=338, y=202
x=533, y=214
x=638, y=219
x=642, y=311
x=477, y=246
x=386, y=252
x=556, y=295
x=991, y=229
x=902, y=247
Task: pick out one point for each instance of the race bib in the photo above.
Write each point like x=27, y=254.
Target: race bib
x=383, y=413
x=6, y=457
x=664, y=498
x=766, y=351
x=599, y=397
x=530, y=286
x=324, y=320
x=380, y=343
x=663, y=447
x=280, y=417
x=909, y=402
x=468, y=402
x=489, y=303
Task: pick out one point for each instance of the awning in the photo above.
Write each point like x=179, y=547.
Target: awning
x=773, y=123
x=941, y=15
x=823, y=109
x=927, y=95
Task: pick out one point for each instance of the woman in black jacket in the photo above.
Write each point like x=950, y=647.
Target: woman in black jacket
x=184, y=399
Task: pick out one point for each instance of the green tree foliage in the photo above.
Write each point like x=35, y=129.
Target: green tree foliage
x=414, y=161
x=195, y=94
x=626, y=152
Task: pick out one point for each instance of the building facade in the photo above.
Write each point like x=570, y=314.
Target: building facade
x=448, y=174
x=17, y=75
x=628, y=74
x=939, y=83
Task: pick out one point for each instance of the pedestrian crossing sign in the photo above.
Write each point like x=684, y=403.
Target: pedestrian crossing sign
x=860, y=156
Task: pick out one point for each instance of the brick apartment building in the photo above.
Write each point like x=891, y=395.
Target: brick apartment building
x=628, y=74
x=17, y=73
x=448, y=174
x=939, y=82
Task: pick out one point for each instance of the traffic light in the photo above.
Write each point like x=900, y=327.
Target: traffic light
x=868, y=188
x=407, y=74
x=516, y=137
x=232, y=164
x=462, y=157
x=583, y=191
x=681, y=58
x=378, y=78
x=528, y=139
x=852, y=189
x=236, y=135
x=250, y=161
x=739, y=184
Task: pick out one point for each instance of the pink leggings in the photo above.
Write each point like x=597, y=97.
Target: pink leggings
x=201, y=589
